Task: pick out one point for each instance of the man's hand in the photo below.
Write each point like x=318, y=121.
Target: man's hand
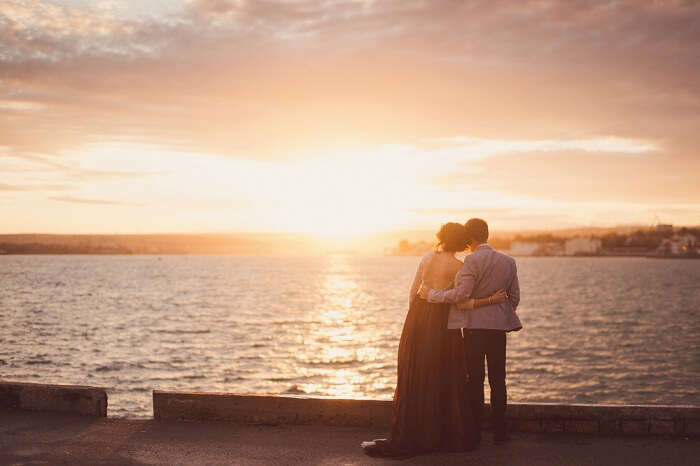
x=424, y=291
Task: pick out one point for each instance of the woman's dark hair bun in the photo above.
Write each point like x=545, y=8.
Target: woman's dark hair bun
x=452, y=237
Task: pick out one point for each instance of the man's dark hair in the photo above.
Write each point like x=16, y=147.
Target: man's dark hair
x=477, y=230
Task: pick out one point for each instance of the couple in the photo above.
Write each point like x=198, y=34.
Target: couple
x=458, y=316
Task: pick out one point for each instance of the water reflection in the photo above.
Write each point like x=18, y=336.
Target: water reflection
x=332, y=347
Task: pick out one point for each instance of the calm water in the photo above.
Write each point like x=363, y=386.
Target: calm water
x=595, y=330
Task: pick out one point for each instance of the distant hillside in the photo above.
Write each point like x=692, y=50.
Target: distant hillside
x=262, y=243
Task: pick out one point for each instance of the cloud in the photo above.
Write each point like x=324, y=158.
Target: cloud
x=35, y=187
x=80, y=200
x=46, y=32
x=10, y=187
x=274, y=79
x=84, y=174
x=470, y=148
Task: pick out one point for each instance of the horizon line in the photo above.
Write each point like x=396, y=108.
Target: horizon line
x=302, y=233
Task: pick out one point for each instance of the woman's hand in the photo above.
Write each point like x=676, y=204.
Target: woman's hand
x=498, y=297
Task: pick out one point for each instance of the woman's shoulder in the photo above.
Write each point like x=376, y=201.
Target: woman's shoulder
x=441, y=259
x=428, y=255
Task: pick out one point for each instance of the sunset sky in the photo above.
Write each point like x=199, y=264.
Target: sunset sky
x=347, y=117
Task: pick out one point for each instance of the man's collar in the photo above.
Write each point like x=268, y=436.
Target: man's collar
x=483, y=245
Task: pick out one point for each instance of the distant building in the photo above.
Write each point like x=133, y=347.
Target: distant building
x=580, y=246
x=523, y=248
x=664, y=228
x=552, y=248
x=679, y=245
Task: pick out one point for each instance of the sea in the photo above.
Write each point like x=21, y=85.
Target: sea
x=595, y=330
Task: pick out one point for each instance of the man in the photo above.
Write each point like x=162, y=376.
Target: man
x=484, y=272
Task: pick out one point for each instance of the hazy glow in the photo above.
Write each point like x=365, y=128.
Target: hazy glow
x=341, y=193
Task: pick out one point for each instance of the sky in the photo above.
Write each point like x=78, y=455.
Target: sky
x=347, y=117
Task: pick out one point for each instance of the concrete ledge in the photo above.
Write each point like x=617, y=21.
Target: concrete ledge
x=269, y=409
x=522, y=417
x=605, y=419
x=70, y=399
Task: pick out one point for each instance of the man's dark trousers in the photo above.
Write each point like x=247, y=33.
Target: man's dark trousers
x=489, y=344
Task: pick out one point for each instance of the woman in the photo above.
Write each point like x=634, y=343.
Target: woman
x=430, y=409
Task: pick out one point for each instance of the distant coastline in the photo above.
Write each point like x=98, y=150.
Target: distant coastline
x=660, y=241
x=130, y=244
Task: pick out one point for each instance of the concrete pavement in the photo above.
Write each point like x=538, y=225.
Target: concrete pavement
x=44, y=438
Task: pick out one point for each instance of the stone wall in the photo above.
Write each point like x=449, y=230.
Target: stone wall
x=679, y=421
x=605, y=419
x=269, y=409
x=522, y=417
x=69, y=399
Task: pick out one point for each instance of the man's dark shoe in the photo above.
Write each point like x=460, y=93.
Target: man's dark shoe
x=500, y=439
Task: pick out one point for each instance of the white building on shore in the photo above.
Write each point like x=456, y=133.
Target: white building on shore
x=580, y=246
x=523, y=248
x=679, y=245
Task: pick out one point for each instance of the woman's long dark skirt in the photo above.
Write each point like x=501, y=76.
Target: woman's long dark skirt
x=430, y=408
